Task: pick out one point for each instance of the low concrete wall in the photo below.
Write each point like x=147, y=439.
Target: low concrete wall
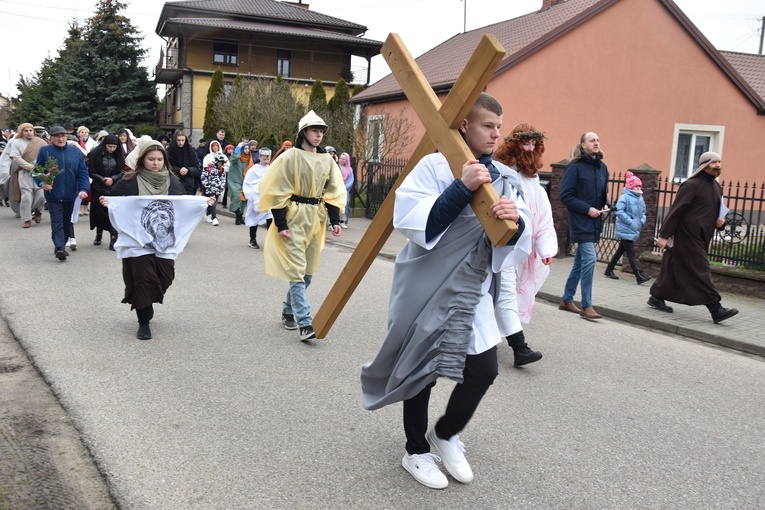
x=725, y=279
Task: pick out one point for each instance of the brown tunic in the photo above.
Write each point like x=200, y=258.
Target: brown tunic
x=685, y=276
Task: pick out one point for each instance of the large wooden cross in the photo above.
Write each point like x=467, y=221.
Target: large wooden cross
x=441, y=122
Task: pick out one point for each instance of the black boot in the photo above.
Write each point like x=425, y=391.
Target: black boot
x=523, y=354
x=144, y=332
x=112, y=240
x=641, y=277
x=97, y=240
x=239, y=220
x=610, y=273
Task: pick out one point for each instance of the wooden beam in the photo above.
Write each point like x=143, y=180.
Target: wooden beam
x=472, y=80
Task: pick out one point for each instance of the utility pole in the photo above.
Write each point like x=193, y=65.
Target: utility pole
x=762, y=32
x=464, y=21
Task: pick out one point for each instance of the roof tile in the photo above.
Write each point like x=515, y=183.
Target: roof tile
x=751, y=67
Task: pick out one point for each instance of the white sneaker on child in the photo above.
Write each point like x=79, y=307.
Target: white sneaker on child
x=208, y=218
x=215, y=222
x=424, y=469
x=71, y=243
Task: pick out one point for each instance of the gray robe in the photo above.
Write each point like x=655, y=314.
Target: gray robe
x=434, y=296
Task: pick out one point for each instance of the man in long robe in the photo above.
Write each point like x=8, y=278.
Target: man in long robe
x=441, y=315
x=301, y=188
x=24, y=154
x=685, y=276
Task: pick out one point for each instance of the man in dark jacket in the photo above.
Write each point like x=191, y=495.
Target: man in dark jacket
x=583, y=191
x=72, y=180
x=685, y=276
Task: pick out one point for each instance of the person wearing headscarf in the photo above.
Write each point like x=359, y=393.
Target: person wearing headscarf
x=164, y=140
x=251, y=191
x=214, y=169
x=127, y=144
x=132, y=157
x=685, y=276
x=240, y=165
x=147, y=277
x=183, y=160
x=345, y=167
x=105, y=168
x=26, y=192
x=286, y=145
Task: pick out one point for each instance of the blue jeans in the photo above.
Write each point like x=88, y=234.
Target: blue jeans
x=582, y=270
x=60, y=222
x=296, y=303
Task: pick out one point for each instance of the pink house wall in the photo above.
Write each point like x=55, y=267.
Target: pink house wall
x=630, y=74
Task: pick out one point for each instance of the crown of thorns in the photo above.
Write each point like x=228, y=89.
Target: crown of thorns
x=526, y=135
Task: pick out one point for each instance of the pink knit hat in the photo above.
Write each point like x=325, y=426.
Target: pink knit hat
x=632, y=181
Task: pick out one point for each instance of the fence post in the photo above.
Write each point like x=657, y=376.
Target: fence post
x=559, y=212
x=650, y=178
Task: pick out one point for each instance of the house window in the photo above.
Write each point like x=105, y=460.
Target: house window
x=375, y=138
x=283, y=62
x=691, y=141
x=225, y=51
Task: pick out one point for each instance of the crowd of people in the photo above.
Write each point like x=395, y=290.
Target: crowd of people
x=454, y=296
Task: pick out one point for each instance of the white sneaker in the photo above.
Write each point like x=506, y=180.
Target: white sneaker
x=71, y=243
x=215, y=222
x=424, y=469
x=344, y=225
x=208, y=218
x=452, y=452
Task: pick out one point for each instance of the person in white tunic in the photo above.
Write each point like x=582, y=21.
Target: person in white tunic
x=441, y=314
x=251, y=191
x=522, y=151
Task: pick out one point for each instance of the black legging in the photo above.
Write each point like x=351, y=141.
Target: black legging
x=254, y=230
x=479, y=373
x=628, y=246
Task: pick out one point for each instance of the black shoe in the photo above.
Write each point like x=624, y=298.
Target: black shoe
x=97, y=240
x=254, y=244
x=289, y=321
x=723, y=313
x=659, y=304
x=307, y=333
x=610, y=274
x=525, y=356
x=112, y=240
x=144, y=332
x=641, y=277
x=61, y=254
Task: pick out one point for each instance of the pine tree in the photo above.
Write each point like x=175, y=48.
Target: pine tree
x=35, y=100
x=317, y=100
x=212, y=123
x=341, y=97
x=102, y=83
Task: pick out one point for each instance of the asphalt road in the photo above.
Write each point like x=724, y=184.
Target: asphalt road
x=225, y=409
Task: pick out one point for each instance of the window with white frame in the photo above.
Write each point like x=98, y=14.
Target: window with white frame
x=375, y=137
x=690, y=142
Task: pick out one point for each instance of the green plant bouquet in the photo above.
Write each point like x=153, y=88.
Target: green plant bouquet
x=48, y=172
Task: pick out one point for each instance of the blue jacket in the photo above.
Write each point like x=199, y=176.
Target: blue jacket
x=584, y=186
x=630, y=215
x=74, y=173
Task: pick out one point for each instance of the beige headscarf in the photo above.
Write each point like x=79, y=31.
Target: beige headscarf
x=132, y=158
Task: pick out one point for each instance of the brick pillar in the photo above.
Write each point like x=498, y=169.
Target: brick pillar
x=650, y=178
x=559, y=212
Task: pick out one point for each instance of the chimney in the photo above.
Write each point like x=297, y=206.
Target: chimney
x=299, y=3
x=546, y=4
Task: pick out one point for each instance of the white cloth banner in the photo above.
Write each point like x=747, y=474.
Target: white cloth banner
x=158, y=224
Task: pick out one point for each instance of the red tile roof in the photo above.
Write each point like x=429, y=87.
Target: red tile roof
x=442, y=65
x=750, y=67
x=524, y=35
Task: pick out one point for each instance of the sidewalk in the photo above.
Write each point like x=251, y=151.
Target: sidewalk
x=624, y=300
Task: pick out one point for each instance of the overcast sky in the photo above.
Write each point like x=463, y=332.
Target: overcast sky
x=35, y=29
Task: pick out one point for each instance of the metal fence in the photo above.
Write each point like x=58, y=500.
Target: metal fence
x=380, y=177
